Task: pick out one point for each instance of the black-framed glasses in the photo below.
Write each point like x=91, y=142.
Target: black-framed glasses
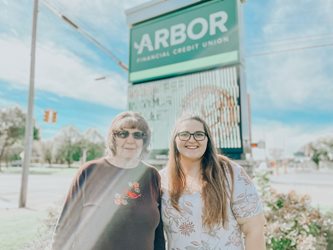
x=137, y=135
x=197, y=135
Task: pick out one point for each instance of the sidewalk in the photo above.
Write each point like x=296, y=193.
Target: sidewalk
x=305, y=177
x=317, y=184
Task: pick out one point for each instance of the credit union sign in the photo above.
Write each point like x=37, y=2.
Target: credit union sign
x=197, y=38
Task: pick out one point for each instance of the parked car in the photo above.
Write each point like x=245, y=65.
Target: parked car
x=17, y=163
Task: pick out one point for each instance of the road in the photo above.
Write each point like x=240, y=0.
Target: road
x=317, y=184
x=43, y=190
x=47, y=190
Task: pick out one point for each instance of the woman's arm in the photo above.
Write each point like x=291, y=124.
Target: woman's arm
x=159, y=242
x=248, y=210
x=253, y=230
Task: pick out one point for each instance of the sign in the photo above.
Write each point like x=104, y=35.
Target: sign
x=200, y=37
x=214, y=95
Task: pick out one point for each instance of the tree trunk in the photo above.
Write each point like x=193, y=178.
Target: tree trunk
x=3, y=150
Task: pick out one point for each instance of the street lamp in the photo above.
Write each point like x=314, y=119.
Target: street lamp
x=86, y=35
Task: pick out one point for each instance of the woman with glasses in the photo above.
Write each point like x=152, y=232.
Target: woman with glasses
x=114, y=202
x=208, y=201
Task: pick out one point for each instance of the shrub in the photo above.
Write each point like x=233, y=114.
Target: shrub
x=292, y=223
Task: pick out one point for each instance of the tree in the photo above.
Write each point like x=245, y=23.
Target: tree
x=47, y=149
x=68, y=145
x=320, y=150
x=12, y=128
x=12, y=153
x=95, y=151
x=92, y=145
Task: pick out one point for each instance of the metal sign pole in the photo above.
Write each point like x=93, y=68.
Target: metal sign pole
x=29, y=118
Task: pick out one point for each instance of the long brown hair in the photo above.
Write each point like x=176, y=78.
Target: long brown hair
x=217, y=177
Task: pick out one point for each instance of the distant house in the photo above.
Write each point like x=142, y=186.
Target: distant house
x=301, y=157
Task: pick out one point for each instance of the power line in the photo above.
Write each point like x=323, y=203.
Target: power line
x=278, y=20
x=86, y=35
x=293, y=39
x=289, y=50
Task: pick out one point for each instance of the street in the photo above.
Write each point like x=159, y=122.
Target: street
x=46, y=190
x=43, y=190
x=317, y=184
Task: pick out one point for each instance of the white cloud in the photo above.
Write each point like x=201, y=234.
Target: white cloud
x=11, y=13
x=14, y=60
x=65, y=74
x=298, y=18
x=61, y=72
x=57, y=69
x=297, y=79
x=292, y=81
x=104, y=19
x=288, y=138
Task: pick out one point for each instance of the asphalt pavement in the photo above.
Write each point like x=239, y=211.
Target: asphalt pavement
x=45, y=191
x=318, y=184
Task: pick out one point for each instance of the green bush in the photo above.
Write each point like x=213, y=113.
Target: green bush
x=292, y=223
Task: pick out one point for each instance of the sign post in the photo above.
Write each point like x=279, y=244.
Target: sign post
x=29, y=120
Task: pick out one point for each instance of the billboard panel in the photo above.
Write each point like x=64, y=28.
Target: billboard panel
x=214, y=95
x=192, y=39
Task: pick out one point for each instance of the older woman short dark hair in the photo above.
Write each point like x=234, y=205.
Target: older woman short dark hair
x=129, y=120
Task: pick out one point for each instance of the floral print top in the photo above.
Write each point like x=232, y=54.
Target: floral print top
x=184, y=229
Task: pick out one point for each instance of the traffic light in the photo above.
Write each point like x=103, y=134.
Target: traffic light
x=50, y=116
x=46, y=115
x=54, y=117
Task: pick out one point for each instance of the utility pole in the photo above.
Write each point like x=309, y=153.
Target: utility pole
x=29, y=119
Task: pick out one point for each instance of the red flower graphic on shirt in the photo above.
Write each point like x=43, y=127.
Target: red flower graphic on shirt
x=133, y=192
x=133, y=195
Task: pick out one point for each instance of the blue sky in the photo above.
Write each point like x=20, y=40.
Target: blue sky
x=288, y=58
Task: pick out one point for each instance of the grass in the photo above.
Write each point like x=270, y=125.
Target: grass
x=22, y=228
x=18, y=227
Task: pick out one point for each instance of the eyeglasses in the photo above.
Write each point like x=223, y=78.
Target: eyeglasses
x=137, y=135
x=197, y=135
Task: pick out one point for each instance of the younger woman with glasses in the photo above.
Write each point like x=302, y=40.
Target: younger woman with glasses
x=208, y=201
x=114, y=202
